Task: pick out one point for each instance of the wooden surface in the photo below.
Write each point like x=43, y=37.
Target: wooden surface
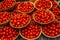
x=41, y=37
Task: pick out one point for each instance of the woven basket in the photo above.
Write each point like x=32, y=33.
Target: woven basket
x=33, y=38
x=14, y=37
x=5, y=22
x=8, y=9
x=22, y=26
x=51, y=36
x=44, y=23
x=38, y=8
x=26, y=12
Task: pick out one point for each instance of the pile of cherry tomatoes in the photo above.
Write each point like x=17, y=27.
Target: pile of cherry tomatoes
x=29, y=19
